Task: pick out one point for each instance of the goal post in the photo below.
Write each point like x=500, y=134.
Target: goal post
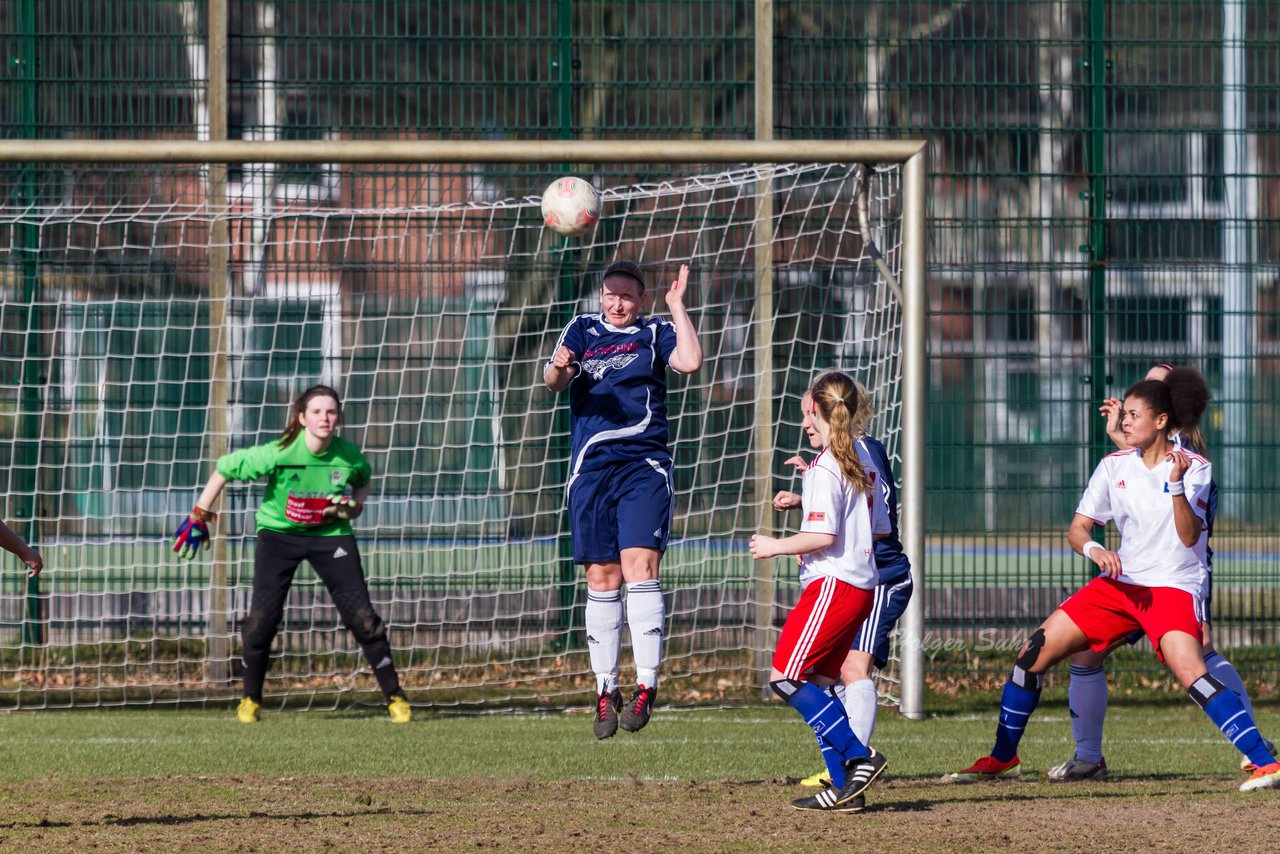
x=277, y=248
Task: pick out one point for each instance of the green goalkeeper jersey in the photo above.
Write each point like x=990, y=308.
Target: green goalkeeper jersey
x=299, y=483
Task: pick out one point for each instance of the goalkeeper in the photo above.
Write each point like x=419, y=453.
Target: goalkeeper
x=307, y=515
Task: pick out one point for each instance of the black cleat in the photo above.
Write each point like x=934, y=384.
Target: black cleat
x=817, y=802
x=859, y=775
x=636, y=713
x=607, y=705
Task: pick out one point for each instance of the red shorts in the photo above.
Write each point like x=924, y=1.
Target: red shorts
x=1107, y=610
x=820, y=629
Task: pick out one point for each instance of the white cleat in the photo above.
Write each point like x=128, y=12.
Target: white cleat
x=1074, y=770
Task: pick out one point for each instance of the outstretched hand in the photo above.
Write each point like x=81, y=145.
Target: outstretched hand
x=676, y=293
x=34, y=563
x=798, y=462
x=762, y=546
x=193, y=533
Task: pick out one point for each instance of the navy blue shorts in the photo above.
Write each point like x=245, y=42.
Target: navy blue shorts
x=1208, y=597
x=621, y=506
x=890, y=602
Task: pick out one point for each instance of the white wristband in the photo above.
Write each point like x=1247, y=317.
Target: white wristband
x=1088, y=548
x=1177, y=488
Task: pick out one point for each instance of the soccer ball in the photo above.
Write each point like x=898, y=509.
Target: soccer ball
x=570, y=206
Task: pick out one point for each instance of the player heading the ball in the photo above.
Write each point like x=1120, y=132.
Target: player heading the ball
x=317, y=483
x=620, y=491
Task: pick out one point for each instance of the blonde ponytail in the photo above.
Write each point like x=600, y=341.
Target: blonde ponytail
x=839, y=403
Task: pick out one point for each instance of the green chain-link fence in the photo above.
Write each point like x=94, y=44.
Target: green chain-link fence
x=1105, y=195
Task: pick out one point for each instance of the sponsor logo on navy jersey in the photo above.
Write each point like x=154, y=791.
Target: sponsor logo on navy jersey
x=597, y=368
x=618, y=400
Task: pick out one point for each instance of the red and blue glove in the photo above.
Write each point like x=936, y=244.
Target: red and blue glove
x=193, y=532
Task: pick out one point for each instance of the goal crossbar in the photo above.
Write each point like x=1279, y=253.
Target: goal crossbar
x=444, y=151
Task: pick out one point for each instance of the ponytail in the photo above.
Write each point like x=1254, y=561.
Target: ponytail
x=839, y=403
x=299, y=408
x=1189, y=397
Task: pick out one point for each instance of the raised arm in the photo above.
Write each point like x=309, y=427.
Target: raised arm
x=1110, y=410
x=687, y=356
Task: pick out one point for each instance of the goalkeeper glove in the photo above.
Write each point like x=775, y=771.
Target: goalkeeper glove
x=193, y=531
x=342, y=507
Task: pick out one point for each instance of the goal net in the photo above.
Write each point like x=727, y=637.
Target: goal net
x=430, y=297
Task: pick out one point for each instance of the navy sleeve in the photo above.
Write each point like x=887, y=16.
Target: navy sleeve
x=666, y=339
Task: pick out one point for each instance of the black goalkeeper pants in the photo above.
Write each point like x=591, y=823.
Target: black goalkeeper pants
x=336, y=561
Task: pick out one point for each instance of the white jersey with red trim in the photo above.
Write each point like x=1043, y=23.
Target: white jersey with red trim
x=832, y=506
x=1122, y=489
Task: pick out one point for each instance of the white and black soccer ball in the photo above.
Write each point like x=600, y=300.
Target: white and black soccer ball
x=570, y=206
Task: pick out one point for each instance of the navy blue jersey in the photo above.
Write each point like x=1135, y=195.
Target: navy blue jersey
x=891, y=560
x=618, y=395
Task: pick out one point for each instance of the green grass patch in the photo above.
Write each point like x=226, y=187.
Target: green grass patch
x=740, y=744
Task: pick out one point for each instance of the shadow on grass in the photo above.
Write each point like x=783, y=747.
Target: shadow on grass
x=199, y=818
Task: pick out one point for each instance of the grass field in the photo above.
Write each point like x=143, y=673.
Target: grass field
x=702, y=780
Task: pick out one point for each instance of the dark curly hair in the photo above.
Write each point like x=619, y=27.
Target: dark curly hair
x=1183, y=396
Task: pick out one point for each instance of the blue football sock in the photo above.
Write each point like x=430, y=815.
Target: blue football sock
x=825, y=713
x=1087, y=700
x=1224, y=708
x=1227, y=675
x=1021, y=694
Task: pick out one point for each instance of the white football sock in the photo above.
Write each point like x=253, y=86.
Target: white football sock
x=646, y=617
x=1087, y=700
x=604, y=636
x=860, y=701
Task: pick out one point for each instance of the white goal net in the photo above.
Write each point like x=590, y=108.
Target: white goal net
x=430, y=298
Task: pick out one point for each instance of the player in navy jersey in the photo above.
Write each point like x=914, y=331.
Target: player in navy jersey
x=836, y=547
x=871, y=646
x=620, y=492
x=1157, y=494
x=1087, y=692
